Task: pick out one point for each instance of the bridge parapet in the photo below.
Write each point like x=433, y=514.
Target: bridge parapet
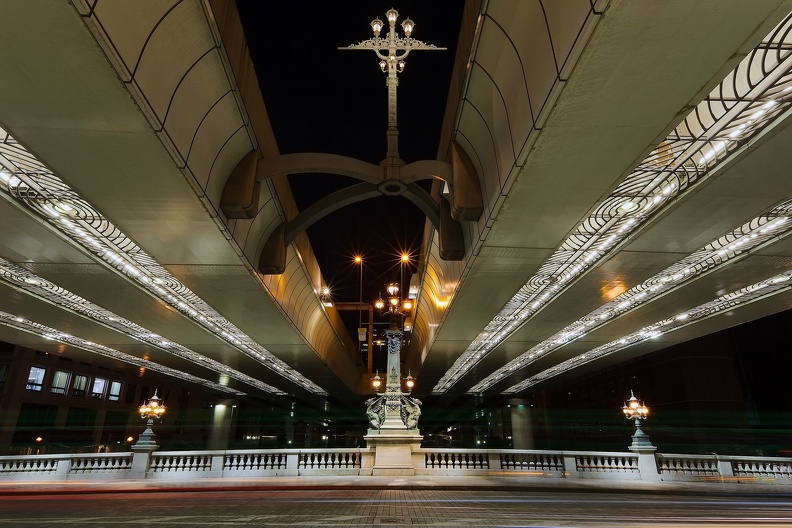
x=257, y=463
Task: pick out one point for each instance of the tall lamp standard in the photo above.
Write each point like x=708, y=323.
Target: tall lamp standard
x=634, y=409
x=361, y=331
x=392, y=49
x=153, y=408
x=405, y=258
x=394, y=410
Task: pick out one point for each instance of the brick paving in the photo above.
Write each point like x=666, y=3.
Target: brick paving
x=392, y=507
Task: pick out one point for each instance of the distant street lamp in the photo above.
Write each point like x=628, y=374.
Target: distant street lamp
x=153, y=408
x=395, y=307
x=409, y=382
x=324, y=296
x=634, y=409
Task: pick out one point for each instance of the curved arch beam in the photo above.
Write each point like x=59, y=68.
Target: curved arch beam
x=424, y=201
x=467, y=202
x=425, y=170
x=330, y=203
x=272, y=259
x=318, y=162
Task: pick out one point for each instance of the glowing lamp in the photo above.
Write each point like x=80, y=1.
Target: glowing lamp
x=408, y=26
x=392, y=15
x=376, y=26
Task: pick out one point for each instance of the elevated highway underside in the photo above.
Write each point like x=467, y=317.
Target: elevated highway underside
x=632, y=160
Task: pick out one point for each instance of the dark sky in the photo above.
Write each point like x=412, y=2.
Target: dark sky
x=321, y=99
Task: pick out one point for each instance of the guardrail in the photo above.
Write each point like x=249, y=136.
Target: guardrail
x=427, y=461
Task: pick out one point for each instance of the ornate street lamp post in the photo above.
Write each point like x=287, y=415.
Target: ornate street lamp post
x=394, y=409
x=153, y=408
x=634, y=409
x=392, y=50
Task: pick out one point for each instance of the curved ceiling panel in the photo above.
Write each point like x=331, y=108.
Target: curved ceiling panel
x=223, y=163
x=221, y=122
x=132, y=23
x=165, y=61
x=573, y=159
x=197, y=93
x=200, y=112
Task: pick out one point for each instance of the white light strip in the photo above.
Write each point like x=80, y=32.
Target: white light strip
x=34, y=285
x=27, y=181
x=762, y=289
x=47, y=332
x=734, y=113
x=750, y=236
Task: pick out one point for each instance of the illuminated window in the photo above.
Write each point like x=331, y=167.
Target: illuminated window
x=115, y=391
x=98, y=388
x=35, y=378
x=80, y=382
x=59, y=382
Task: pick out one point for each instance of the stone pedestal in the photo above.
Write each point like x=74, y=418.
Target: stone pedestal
x=393, y=417
x=642, y=446
x=647, y=463
x=393, y=450
x=147, y=441
x=142, y=449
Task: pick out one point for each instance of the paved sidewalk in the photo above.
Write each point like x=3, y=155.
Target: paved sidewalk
x=511, y=483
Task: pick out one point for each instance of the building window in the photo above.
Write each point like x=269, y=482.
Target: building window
x=35, y=378
x=80, y=382
x=59, y=382
x=115, y=391
x=98, y=388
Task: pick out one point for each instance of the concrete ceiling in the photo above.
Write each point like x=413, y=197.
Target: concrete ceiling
x=143, y=111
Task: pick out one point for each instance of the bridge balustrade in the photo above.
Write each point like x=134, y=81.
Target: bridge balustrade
x=426, y=461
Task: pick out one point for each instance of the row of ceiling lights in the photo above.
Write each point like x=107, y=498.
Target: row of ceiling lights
x=46, y=332
x=762, y=289
x=25, y=180
x=749, y=237
x=43, y=289
x=668, y=172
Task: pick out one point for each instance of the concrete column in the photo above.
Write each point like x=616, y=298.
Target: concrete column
x=647, y=463
x=141, y=460
x=7, y=431
x=98, y=427
x=292, y=463
x=521, y=428
x=222, y=424
x=570, y=466
x=60, y=416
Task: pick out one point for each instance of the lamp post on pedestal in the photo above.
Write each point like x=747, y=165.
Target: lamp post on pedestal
x=153, y=408
x=634, y=409
x=394, y=409
x=393, y=415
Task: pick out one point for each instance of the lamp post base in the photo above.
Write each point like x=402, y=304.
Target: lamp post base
x=640, y=440
x=393, y=449
x=147, y=441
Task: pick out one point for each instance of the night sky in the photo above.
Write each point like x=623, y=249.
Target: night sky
x=321, y=99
